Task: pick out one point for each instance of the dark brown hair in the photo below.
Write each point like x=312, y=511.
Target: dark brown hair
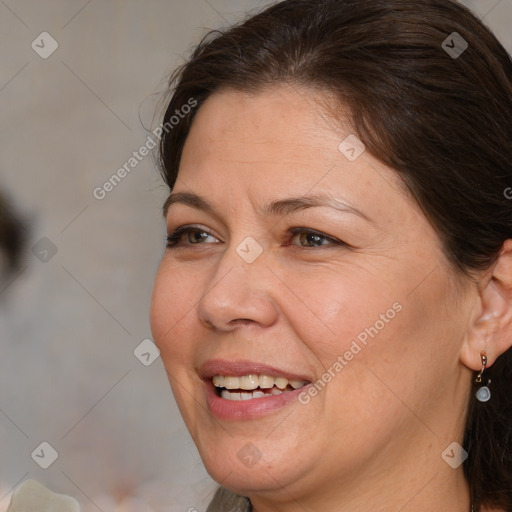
x=442, y=121
x=11, y=235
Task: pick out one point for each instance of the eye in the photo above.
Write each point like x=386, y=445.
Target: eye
x=312, y=238
x=187, y=235
x=308, y=238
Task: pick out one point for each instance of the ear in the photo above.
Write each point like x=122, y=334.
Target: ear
x=490, y=329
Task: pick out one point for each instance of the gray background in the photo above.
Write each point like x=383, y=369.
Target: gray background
x=69, y=325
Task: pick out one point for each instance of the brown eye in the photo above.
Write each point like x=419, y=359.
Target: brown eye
x=187, y=235
x=310, y=238
x=196, y=237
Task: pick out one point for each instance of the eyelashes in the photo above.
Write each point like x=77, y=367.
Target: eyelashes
x=314, y=236
x=197, y=236
x=175, y=238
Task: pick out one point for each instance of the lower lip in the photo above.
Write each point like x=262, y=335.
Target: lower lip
x=225, y=409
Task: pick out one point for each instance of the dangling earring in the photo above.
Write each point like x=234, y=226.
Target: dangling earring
x=484, y=393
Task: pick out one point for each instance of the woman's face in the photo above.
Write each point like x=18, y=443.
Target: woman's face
x=305, y=261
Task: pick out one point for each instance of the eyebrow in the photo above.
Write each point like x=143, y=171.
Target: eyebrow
x=279, y=207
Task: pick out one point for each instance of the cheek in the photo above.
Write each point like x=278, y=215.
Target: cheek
x=399, y=342
x=331, y=308
x=174, y=295
x=379, y=331
x=172, y=315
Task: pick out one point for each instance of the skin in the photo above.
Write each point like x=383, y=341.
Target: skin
x=372, y=439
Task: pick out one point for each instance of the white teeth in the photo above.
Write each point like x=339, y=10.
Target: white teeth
x=236, y=396
x=218, y=381
x=231, y=383
x=281, y=383
x=252, y=386
x=230, y=395
x=249, y=382
x=252, y=381
x=266, y=382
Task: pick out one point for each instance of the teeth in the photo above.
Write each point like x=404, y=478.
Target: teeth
x=296, y=384
x=281, y=383
x=231, y=382
x=249, y=382
x=266, y=382
x=218, y=381
x=252, y=381
x=232, y=395
x=249, y=386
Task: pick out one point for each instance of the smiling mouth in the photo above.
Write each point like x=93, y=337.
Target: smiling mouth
x=249, y=387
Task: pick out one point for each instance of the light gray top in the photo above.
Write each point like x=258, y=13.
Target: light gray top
x=226, y=501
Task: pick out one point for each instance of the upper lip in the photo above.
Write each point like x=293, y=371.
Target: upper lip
x=239, y=368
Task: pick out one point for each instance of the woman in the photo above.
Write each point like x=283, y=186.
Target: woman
x=334, y=308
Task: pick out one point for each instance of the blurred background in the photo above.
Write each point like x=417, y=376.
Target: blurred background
x=85, y=406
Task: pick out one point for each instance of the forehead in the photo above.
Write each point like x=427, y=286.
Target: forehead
x=279, y=134
x=279, y=140
x=281, y=119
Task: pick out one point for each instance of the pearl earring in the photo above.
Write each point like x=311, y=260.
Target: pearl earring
x=484, y=393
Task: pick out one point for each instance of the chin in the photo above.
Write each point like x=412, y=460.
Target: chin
x=246, y=466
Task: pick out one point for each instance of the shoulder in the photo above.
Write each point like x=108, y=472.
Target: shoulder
x=226, y=501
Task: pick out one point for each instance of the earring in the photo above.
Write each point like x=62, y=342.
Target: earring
x=484, y=393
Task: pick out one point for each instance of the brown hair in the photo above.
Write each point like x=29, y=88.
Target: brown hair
x=11, y=235
x=442, y=121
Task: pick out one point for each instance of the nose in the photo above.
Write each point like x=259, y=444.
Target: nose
x=239, y=293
